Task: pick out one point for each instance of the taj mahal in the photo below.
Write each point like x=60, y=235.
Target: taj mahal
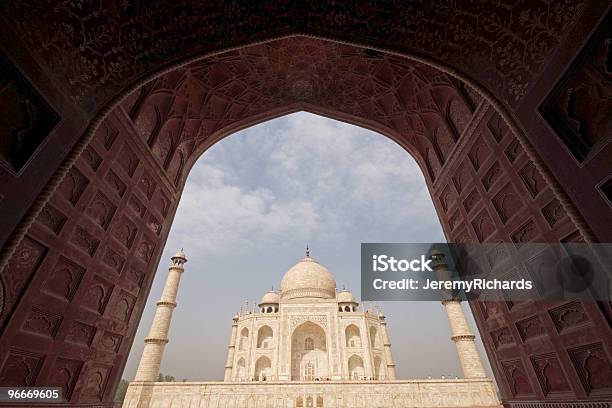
x=308, y=345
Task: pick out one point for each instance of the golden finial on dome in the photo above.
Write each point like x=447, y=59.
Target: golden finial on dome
x=307, y=251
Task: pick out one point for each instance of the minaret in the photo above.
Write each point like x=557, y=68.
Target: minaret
x=231, y=349
x=155, y=342
x=387, y=347
x=460, y=331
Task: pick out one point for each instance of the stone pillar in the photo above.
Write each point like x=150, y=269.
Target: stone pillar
x=460, y=332
x=387, y=347
x=229, y=363
x=155, y=342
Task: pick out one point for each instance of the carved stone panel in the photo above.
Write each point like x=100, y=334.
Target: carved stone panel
x=513, y=150
x=26, y=118
x=497, y=127
x=94, y=383
x=526, y=233
x=517, y=378
x=20, y=368
x=42, y=322
x=101, y=209
x=22, y=265
x=483, y=226
x=533, y=180
x=554, y=213
x=110, y=342
x=91, y=157
x=122, y=306
x=85, y=241
x=81, y=333
x=579, y=107
x=64, y=279
x=492, y=175
x=52, y=218
x=550, y=374
x=98, y=295
x=65, y=374
x=107, y=135
x=568, y=316
x=530, y=328
x=461, y=178
x=479, y=152
x=502, y=338
x=114, y=260
x=115, y=183
x=593, y=366
x=125, y=232
x=73, y=185
x=128, y=160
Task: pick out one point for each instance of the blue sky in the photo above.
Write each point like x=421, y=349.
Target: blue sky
x=251, y=204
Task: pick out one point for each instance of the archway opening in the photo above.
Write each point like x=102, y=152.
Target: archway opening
x=264, y=337
x=355, y=368
x=263, y=368
x=379, y=372
x=135, y=169
x=309, y=357
x=304, y=141
x=353, y=338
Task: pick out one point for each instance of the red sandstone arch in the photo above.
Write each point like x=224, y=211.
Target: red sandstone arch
x=85, y=265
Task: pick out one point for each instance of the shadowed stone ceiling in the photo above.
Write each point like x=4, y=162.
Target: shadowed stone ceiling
x=417, y=105
x=97, y=49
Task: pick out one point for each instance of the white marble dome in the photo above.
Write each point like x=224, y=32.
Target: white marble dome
x=308, y=279
x=345, y=296
x=270, y=297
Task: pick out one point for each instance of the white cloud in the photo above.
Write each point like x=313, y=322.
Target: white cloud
x=299, y=176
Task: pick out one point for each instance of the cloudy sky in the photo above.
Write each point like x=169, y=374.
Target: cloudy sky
x=252, y=203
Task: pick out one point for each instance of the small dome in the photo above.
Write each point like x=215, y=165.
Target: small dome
x=180, y=254
x=345, y=296
x=269, y=297
x=308, y=279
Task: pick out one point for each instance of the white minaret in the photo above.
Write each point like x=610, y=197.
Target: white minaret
x=460, y=331
x=387, y=346
x=155, y=342
x=231, y=350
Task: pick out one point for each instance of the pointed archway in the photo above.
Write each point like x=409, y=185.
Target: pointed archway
x=495, y=166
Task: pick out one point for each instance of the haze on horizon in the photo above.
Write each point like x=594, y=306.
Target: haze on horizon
x=250, y=206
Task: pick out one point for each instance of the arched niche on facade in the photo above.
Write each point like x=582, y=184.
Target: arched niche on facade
x=355, y=367
x=241, y=373
x=353, y=337
x=263, y=369
x=264, y=337
x=309, y=358
x=379, y=370
x=374, y=342
x=243, y=344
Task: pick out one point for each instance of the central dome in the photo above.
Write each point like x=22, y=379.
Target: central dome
x=308, y=279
